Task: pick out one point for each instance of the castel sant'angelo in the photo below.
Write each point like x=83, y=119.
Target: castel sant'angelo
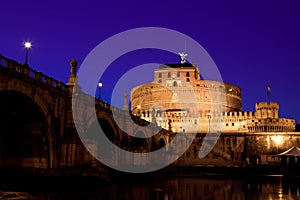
x=179, y=100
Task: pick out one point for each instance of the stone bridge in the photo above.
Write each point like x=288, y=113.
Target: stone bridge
x=38, y=130
x=37, y=127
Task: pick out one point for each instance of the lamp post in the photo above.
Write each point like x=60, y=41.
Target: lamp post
x=100, y=86
x=27, y=47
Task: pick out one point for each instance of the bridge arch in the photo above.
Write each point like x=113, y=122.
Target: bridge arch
x=107, y=124
x=141, y=141
x=27, y=144
x=161, y=143
x=95, y=144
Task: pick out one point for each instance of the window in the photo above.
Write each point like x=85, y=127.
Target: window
x=187, y=80
x=159, y=80
x=169, y=74
x=178, y=74
x=232, y=124
x=159, y=75
x=175, y=84
x=187, y=74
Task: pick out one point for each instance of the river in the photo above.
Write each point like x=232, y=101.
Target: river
x=159, y=187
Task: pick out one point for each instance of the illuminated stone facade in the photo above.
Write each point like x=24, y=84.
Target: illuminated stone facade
x=47, y=137
x=179, y=100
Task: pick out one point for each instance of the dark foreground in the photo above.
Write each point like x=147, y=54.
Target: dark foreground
x=14, y=177
x=205, y=183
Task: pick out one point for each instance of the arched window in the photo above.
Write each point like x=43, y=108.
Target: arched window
x=175, y=84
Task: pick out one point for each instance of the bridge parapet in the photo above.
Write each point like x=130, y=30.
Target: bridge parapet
x=104, y=106
x=28, y=72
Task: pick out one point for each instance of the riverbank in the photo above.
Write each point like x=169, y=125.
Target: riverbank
x=79, y=178
x=248, y=172
x=236, y=171
x=163, y=186
x=26, y=178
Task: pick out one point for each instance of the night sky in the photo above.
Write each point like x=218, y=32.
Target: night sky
x=253, y=44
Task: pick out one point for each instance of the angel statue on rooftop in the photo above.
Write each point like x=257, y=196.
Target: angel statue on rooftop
x=183, y=56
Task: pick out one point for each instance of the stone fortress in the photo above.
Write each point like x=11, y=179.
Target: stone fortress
x=218, y=105
x=49, y=142
x=179, y=100
x=48, y=138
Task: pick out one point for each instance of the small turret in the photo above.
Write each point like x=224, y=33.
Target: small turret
x=266, y=110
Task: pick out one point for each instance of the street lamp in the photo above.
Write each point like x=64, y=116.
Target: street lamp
x=27, y=47
x=100, y=86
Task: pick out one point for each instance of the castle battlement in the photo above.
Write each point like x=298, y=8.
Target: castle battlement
x=245, y=121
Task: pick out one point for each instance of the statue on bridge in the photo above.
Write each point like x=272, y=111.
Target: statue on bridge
x=73, y=64
x=72, y=77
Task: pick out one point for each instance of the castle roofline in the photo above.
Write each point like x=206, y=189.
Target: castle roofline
x=181, y=65
x=266, y=103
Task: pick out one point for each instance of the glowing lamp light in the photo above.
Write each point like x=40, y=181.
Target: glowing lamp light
x=27, y=45
x=100, y=86
x=278, y=140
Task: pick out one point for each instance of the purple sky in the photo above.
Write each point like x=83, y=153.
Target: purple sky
x=252, y=44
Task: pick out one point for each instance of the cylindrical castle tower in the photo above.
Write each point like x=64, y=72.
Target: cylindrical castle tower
x=181, y=81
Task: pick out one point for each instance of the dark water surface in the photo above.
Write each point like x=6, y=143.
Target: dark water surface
x=159, y=187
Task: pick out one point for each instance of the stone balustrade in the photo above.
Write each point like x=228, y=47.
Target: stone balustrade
x=28, y=72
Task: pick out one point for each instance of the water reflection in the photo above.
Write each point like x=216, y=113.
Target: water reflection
x=181, y=188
